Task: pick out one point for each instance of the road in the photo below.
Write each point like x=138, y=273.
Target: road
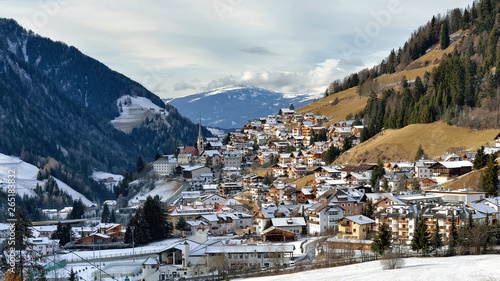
x=177, y=194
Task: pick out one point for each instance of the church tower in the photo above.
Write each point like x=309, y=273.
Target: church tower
x=200, y=143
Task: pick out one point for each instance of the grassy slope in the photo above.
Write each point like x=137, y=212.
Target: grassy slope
x=402, y=144
x=470, y=181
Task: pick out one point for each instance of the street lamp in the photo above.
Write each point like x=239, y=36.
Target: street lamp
x=133, y=243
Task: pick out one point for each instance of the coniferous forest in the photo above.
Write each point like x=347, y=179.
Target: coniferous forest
x=462, y=90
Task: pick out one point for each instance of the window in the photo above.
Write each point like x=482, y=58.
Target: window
x=349, y=205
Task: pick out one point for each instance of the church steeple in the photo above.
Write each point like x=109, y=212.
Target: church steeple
x=200, y=143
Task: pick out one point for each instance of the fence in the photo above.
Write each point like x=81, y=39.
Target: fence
x=75, y=257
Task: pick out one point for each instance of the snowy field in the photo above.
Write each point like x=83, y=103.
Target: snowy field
x=135, y=113
x=164, y=189
x=466, y=268
x=25, y=176
x=98, y=176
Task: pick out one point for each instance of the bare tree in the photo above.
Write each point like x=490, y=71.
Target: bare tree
x=392, y=259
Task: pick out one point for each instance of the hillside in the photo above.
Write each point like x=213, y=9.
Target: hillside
x=401, y=145
x=349, y=102
x=57, y=103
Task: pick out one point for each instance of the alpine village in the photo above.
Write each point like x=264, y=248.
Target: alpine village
x=394, y=162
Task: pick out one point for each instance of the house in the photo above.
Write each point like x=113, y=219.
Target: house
x=457, y=196
x=260, y=217
x=259, y=191
x=275, y=234
x=190, y=213
x=323, y=217
x=294, y=225
x=232, y=159
x=280, y=170
x=443, y=171
x=340, y=198
x=94, y=238
x=190, y=172
x=165, y=166
x=188, y=155
x=422, y=168
x=214, y=155
x=230, y=188
x=357, y=227
x=44, y=246
x=209, y=199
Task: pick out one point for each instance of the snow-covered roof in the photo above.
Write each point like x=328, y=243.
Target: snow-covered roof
x=360, y=219
x=455, y=164
x=482, y=208
x=284, y=222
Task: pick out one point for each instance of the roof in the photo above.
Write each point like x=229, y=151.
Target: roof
x=482, y=208
x=361, y=220
x=150, y=261
x=284, y=222
x=275, y=228
x=455, y=164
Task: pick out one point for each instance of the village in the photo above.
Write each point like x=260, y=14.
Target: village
x=235, y=220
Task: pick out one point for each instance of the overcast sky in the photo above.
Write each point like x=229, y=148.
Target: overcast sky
x=180, y=47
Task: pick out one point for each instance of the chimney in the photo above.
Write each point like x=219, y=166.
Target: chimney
x=185, y=254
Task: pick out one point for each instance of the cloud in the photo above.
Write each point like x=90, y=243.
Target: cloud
x=315, y=79
x=258, y=51
x=181, y=86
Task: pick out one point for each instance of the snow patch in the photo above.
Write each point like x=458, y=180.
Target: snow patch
x=133, y=112
x=25, y=176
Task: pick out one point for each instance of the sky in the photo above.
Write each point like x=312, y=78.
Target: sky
x=180, y=47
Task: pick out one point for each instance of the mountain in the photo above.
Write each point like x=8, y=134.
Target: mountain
x=232, y=106
x=57, y=103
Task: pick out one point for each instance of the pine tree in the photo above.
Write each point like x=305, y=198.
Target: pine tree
x=368, y=209
x=268, y=224
x=156, y=218
x=452, y=241
x=140, y=165
x=105, y=214
x=182, y=225
x=420, y=153
x=437, y=239
x=112, y=218
x=444, y=40
x=416, y=184
x=382, y=240
x=22, y=228
x=420, y=241
x=489, y=179
x=377, y=173
x=63, y=233
x=78, y=209
x=481, y=159
x=72, y=276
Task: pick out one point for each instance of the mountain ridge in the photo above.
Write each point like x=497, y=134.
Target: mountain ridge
x=232, y=106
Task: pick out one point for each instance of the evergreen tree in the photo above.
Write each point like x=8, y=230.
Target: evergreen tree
x=182, y=225
x=481, y=159
x=420, y=241
x=420, y=153
x=112, y=218
x=382, y=240
x=368, y=209
x=140, y=165
x=385, y=185
x=377, y=173
x=452, y=241
x=416, y=184
x=347, y=144
x=331, y=154
x=437, y=239
x=105, y=214
x=72, y=276
x=78, y=209
x=22, y=228
x=63, y=233
x=444, y=40
x=489, y=178
x=268, y=224
x=156, y=218
x=142, y=231
x=157, y=156
x=292, y=107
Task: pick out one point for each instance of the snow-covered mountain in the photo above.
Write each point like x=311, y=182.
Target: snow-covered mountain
x=232, y=106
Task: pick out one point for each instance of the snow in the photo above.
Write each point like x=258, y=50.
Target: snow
x=25, y=177
x=484, y=267
x=98, y=175
x=133, y=114
x=165, y=190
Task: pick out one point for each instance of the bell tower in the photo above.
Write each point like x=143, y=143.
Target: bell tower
x=200, y=143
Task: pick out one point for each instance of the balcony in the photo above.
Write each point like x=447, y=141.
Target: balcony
x=313, y=222
x=403, y=221
x=403, y=229
x=313, y=215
